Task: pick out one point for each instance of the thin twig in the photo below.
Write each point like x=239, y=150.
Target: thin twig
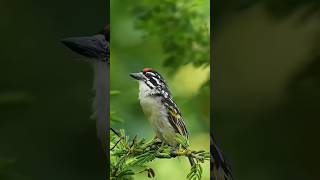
x=116, y=144
x=115, y=132
x=133, y=141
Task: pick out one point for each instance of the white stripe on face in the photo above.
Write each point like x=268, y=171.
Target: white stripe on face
x=151, y=73
x=150, y=84
x=156, y=80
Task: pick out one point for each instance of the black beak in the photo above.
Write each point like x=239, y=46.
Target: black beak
x=137, y=76
x=91, y=46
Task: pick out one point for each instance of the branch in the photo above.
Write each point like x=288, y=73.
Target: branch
x=131, y=154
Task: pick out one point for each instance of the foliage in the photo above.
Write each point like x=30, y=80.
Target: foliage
x=130, y=157
x=174, y=33
x=114, y=118
x=181, y=26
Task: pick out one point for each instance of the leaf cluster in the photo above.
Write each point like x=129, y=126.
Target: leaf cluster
x=131, y=156
x=182, y=28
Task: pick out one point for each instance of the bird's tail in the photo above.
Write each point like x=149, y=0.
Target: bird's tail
x=220, y=168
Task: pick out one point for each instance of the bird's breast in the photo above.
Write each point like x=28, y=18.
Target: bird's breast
x=153, y=108
x=157, y=115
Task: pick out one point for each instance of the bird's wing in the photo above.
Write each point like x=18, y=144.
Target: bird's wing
x=175, y=117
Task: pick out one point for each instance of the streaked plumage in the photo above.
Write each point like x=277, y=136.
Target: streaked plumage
x=167, y=120
x=158, y=105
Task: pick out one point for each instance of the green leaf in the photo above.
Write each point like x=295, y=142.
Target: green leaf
x=114, y=92
x=182, y=140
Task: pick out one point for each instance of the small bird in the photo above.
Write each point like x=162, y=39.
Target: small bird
x=96, y=49
x=159, y=107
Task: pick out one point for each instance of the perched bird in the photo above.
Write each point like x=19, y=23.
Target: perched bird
x=96, y=49
x=166, y=119
x=159, y=107
x=220, y=168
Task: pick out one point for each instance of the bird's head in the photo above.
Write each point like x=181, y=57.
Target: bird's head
x=150, y=81
x=96, y=46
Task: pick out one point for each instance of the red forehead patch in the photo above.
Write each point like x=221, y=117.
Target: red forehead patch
x=147, y=70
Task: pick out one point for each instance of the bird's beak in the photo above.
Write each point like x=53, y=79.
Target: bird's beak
x=137, y=76
x=90, y=46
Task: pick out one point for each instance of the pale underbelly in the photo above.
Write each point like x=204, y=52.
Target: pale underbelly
x=157, y=116
x=163, y=129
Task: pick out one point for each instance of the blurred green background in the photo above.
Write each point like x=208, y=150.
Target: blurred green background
x=45, y=130
x=137, y=43
x=267, y=87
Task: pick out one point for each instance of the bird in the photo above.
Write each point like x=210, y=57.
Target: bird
x=159, y=107
x=96, y=49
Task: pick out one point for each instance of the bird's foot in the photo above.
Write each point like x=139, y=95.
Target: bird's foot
x=180, y=151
